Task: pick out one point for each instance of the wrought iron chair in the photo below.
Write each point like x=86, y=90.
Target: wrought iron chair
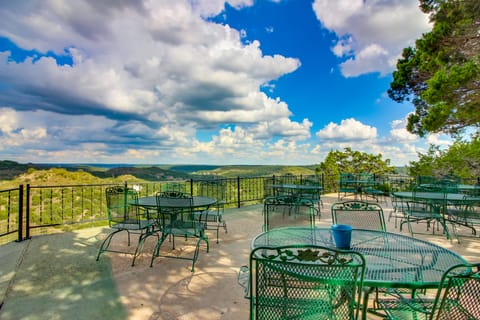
x=458, y=297
x=280, y=213
x=306, y=196
x=175, y=218
x=347, y=185
x=123, y=215
x=305, y=282
x=465, y=213
x=213, y=217
x=363, y=215
x=427, y=211
x=399, y=206
x=359, y=214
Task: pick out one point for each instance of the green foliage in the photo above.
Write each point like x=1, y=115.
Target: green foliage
x=441, y=74
x=462, y=159
x=60, y=176
x=350, y=161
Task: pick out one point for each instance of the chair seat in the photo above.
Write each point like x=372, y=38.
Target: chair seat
x=209, y=216
x=184, y=228
x=134, y=225
x=406, y=309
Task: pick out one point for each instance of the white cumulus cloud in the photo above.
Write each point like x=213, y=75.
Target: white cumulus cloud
x=371, y=34
x=347, y=130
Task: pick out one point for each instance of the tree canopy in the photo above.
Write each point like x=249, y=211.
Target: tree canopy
x=354, y=162
x=461, y=159
x=351, y=161
x=441, y=73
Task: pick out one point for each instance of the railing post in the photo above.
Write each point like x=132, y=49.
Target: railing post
x=238, y=191
x=191, y=187
x=20, y=213
x=27, y=213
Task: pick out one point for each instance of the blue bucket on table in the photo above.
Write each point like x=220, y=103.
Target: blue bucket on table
x=342, y=235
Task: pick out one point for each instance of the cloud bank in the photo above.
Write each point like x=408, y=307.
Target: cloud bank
x=159, y=82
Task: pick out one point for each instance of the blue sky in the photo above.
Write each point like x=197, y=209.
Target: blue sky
x=204, y=81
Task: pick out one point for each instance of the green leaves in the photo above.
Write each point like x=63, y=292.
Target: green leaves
x=441, y=74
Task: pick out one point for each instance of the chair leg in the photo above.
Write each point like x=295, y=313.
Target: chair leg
x=156, y=250
x=106, y=243
x=197, y=249
x=141, y=242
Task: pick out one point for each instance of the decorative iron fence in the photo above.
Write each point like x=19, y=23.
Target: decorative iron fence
x=29, y=210
x=11, y=214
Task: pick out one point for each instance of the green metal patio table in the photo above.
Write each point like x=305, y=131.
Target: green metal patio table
x=172, y=209
x=440, y=200
x=392, y=260
x=436, y=196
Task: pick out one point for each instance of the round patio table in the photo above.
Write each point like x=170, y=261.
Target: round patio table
x=392, y=260
x=436, y=196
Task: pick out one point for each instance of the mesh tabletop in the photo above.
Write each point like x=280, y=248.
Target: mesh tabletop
x=436, y=196
x=392, y=260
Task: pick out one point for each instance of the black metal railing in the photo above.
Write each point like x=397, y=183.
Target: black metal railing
x=29, y=210
x=11, y=214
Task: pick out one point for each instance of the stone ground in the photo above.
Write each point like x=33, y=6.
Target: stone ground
x=57, y=277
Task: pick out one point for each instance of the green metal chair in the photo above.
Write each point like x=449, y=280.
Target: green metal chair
x=347, y=185
x=178, y=221
x=309, y=196
x=123, y=216
x=399, y=206
x=359, y=214
x=281, y=212
x=457, y=297
x=427, y=211
x=465, y=213
x=213, y=216
x=368, y=216
x=305, y=282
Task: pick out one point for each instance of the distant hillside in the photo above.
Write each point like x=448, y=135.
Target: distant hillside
x=252, y=170
x=11, y=170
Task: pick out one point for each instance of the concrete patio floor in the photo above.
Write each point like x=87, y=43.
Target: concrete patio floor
x=57, y=277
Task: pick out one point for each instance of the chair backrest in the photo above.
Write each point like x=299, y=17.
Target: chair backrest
x=171, y=208
x=305, y=282
x=279, y=213
x=347, y=177
x=212, y=188
x=119, y=206
x=398, y=204
x=174, y=200
x=366, y=176
x=312, y=194
x=173, y=194
x=359, y=214
x=175, y=186
x=459, y=294
x=312, y=181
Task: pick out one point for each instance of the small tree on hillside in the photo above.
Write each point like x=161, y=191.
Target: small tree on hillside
x=352, y=162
